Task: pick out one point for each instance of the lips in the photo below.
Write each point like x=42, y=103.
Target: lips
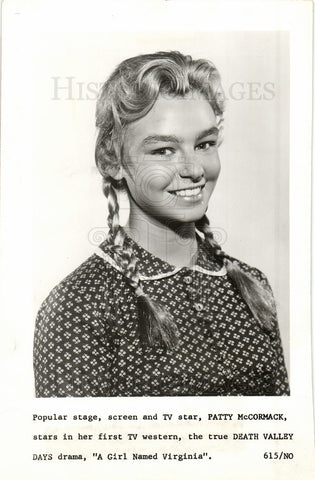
x=187, y=192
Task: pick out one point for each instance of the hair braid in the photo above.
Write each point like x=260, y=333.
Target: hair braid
x=259, y=300
x=116, y=236
x=156, y=325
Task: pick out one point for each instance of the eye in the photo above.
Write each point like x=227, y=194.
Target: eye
x=206, y=145
x=162, y=151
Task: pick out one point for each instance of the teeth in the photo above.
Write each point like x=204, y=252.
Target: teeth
x=189, y=192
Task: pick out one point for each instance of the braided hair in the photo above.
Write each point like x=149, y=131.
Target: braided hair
x=259, y=300
x=128, y=95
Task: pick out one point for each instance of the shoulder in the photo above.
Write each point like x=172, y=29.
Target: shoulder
x=82, y=291
x=73, y=331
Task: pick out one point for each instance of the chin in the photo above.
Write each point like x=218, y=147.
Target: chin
x=192, y=217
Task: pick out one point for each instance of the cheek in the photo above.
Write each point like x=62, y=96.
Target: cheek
x=146, y=182
x=212, y=169
x=153, y=178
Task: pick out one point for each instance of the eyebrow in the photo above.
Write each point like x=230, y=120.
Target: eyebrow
x=172, y=138
x=206, y=133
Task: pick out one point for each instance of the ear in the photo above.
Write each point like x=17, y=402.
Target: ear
x=116, y=172
x=119, y=175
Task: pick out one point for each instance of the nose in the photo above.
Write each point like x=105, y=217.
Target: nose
x=191, y=169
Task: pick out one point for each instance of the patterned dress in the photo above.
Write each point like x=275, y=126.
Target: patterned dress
x=87, y=340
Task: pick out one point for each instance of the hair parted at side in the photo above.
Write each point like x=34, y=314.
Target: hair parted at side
x=128, y=95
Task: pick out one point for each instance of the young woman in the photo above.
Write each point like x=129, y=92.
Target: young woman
x=160, y=309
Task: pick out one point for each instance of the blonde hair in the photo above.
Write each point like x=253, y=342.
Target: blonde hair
x=128, y=95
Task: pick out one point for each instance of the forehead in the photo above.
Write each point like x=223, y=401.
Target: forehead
x=173, y=115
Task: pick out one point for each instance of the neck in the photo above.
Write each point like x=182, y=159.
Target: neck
x=176, y=244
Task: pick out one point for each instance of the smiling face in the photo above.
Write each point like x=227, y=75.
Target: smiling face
x=171, y=161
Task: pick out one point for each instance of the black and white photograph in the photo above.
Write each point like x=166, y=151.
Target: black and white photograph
x=160, y=308
x=155, y=222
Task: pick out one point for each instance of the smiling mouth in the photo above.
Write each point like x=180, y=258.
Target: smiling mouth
x=187, y=192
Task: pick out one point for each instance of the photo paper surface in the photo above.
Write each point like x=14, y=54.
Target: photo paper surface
x=56, y=59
